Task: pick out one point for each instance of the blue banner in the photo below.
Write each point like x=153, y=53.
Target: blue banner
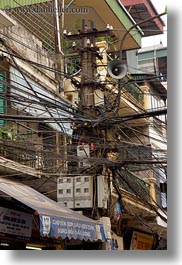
x=56, y=227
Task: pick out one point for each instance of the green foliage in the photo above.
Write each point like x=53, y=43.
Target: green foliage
x=7, y=133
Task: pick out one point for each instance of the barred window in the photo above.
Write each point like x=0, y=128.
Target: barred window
x=78, y=190
x=78, y=179
x=68, y=180
x=86, y=190
x=86, y=179
x=68, y=191
x=61, y=191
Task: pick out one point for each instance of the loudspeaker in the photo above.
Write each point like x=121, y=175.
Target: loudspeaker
x=117, y=69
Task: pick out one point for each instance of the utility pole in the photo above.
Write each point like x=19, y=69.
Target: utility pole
x=88, y=52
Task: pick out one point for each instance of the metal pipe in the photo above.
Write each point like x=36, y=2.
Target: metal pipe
x=57, y=29
x=134, y=26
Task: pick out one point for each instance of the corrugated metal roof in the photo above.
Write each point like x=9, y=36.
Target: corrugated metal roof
x=141, y=10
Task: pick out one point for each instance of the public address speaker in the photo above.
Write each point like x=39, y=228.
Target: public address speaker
x=117, y=69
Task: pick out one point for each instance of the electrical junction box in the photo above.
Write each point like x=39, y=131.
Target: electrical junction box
x=65, y=191
x=75, y=192
x=102, y=191
x=83, y=152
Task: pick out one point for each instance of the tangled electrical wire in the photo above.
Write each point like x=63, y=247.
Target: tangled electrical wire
x=118, y=134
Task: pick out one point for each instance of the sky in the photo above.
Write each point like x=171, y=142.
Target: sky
x=155, y=40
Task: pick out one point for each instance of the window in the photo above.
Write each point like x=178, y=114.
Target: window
x=86, y=179
x=86, y=190
x=61, y=191
x=68, y=191
x=78, y=179
x=60, y=181
x=78, y=190
x=68, y=180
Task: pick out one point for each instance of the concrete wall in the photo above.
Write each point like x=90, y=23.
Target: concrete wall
x=28, y=46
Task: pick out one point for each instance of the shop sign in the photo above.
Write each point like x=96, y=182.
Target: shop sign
x=117, y=212
x=64, y=227
x=15, y=223
x=141, y=241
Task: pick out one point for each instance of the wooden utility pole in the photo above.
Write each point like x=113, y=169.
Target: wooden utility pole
x=88, y=64
x=88, y=52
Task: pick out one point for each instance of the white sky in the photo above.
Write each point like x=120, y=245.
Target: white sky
x=155, y=40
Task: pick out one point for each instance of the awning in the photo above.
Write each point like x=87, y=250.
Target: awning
x=141, y=10
x=55, y=221
x=44, y=103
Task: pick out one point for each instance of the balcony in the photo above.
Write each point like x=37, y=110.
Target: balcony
x=134, y=90
x=29, y=154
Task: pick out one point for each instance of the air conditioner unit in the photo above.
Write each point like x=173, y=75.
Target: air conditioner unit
x=83, y=150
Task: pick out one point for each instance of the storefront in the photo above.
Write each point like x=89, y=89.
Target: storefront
x=141, y=241
x=30, y=217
